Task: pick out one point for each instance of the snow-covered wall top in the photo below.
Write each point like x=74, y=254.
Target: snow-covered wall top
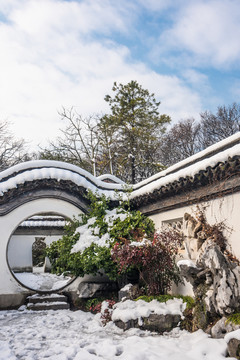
x=151, y=184
x=48, y=169
x=111, y=178
x=206, y=154
x=44, y=221
x=188, y=168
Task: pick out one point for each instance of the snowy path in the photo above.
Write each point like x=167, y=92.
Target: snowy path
x=42, y=281
x=67, y=335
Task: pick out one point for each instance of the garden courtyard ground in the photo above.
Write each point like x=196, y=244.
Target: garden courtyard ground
x=68, y=335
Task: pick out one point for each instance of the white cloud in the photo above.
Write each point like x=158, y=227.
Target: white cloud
x=157, y=5
x=33, y=16
x=207, y=31
x=195, y=78
x=50, y=57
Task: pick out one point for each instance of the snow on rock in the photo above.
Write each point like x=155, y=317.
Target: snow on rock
x=141, y=243
x=132, y=310
x=233, y=343
x=186, y=262
x=232, y=335
x=126, y=287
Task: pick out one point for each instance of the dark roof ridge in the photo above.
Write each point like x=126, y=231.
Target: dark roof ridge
x=204, y=154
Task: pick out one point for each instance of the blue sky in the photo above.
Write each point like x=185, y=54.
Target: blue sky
x=58, y=53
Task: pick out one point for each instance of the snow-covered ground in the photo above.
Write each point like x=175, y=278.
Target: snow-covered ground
x=42, y=281
x=67, y=335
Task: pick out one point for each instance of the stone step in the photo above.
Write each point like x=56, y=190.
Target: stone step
x=49, y=306
x=46, y=298
x=48, y=302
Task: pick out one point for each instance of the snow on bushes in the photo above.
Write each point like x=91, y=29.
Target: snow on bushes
x=117, y=241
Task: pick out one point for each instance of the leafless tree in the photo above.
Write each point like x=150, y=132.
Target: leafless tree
x=216, y=127
x=79, y=143
x=12, y=150
x=181, y=141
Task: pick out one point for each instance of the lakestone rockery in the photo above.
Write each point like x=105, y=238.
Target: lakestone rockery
x=213, y=273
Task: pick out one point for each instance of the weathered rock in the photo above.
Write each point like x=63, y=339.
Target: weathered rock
x=38, y=251
x=191, y=239
x=216, y=276
x=190, y=273
x=189, y=225
x=94, y=289
x=223, y=294
x=191, y=245
x=129, y=291
x=154, y=322
x=221, y=328
x=47, y=265
x=126, y=325
x=215, y=280
x=234, y=348
x=160, y=323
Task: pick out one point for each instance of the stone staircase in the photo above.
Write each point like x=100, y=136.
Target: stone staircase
x=47, y=302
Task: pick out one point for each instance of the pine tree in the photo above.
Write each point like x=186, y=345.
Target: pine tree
x=137, y=128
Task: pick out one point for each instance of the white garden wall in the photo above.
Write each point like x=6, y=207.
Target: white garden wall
x=225, y=209
x=20, y=249
x=9, y=287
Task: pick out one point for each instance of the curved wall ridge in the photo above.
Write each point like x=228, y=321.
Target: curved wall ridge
x=189, y=173
x=58, y=177
x=39, y=173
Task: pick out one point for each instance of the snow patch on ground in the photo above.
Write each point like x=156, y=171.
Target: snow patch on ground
x=42, y=281
x=66, y=335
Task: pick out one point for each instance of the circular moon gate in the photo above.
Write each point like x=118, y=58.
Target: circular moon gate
x=26, y=253
x=32, y=281
x=38, y=187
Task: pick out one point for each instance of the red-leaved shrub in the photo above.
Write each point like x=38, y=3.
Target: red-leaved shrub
x=106, y=308
x=155, y=260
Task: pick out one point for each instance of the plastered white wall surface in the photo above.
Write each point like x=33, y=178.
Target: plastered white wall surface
x=225, y=209
x=10, y=222
x=20, y=249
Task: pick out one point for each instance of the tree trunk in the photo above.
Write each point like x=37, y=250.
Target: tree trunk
x=133, y=169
